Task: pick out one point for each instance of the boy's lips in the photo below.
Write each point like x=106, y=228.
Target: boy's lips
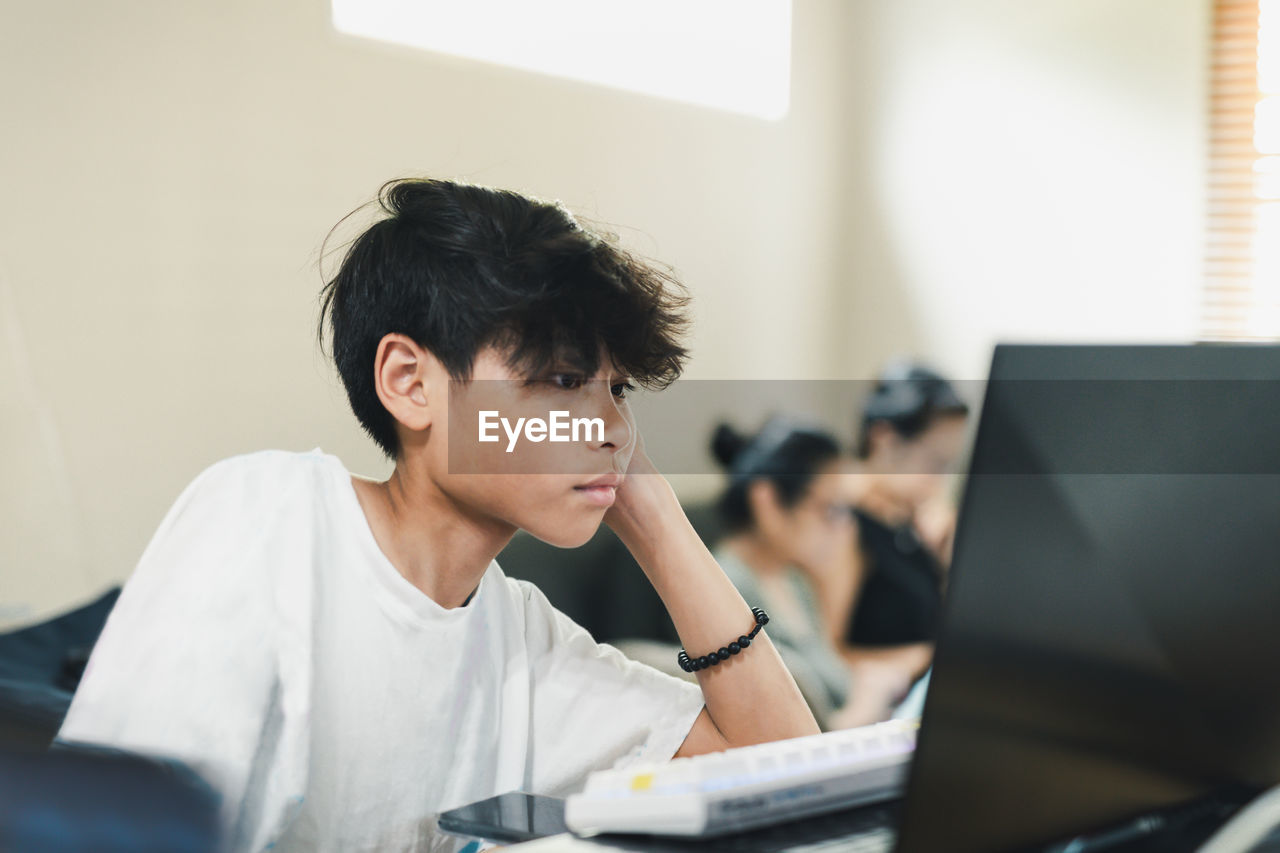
x=602, y=490
x=614, y=480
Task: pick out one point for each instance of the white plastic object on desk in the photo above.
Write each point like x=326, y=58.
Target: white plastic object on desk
x=748, y=787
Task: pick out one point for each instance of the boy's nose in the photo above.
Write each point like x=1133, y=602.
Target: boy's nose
x=618, y=424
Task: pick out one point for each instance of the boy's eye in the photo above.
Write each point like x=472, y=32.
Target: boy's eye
x=574, y=381
x=568, y=381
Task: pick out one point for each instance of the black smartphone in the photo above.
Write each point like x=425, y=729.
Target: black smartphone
x=513, y=816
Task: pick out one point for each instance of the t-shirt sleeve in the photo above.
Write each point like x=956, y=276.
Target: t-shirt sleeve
x=184, y=666
x=592, y=707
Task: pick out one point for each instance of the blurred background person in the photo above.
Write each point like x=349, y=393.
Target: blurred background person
x=786, y=524
x=884, y=605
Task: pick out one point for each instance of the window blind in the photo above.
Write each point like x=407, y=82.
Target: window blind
x=1242, y=253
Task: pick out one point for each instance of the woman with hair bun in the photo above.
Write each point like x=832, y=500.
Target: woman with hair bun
x=786, y=524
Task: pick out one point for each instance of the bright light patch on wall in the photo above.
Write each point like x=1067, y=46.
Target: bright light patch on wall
x=732, y=55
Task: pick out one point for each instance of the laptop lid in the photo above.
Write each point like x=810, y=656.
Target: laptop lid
x=1111, y=643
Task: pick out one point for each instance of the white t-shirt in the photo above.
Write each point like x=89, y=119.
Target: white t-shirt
x=266, y=640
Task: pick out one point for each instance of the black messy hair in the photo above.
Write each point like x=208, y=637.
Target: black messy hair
x=457, y=267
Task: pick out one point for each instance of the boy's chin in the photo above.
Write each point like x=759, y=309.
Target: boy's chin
x=570, y=534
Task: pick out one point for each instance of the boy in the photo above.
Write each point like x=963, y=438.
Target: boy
x=343, y=658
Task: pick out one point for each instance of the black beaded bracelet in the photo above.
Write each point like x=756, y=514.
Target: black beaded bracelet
x=723, y=653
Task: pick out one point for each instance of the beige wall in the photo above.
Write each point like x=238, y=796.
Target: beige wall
x=1023, y=171
x=170, y=169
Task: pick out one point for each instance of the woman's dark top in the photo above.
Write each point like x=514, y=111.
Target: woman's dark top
x=902, y=590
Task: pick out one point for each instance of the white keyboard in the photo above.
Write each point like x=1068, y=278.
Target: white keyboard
x=748, y=787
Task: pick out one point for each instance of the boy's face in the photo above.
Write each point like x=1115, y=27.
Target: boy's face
x=557, y=490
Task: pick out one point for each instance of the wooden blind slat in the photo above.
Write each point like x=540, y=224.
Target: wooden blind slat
x=1230, y=295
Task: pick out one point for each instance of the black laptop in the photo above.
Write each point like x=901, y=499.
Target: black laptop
x=1109, y=666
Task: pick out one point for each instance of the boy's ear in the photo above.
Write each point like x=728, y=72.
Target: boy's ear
x=407, y=379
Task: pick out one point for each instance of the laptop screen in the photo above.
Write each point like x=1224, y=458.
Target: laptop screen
x=1111, y=643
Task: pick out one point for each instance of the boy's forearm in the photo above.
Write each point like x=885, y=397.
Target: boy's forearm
x=751, y=697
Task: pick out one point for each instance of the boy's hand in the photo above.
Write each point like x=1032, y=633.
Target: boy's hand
x=707, y=611
x=645, y=500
